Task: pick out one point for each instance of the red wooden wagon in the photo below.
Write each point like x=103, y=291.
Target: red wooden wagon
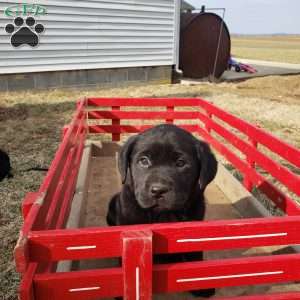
x=46, y=240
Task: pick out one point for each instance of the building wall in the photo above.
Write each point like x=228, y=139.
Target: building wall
x=95, y=34
x=103, y=78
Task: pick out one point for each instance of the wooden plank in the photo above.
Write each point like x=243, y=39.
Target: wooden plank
x=103, y=283
x=67, y=201
x=76, y=215
x=78, y=205
x=131, y=128
x=143, y=102
x=178, y=237
x=228, y=272
x=143, y=115
x=246, y=204
x=103, y=184
x=55, y=206
x=137, y=265
x=79, y=285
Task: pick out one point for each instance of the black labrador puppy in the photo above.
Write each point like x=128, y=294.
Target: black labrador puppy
x=164, y=172
x=5, y=166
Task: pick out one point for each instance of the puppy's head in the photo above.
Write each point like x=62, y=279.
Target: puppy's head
x=163, y=166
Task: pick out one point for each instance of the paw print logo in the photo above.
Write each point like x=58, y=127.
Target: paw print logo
x=24, y=34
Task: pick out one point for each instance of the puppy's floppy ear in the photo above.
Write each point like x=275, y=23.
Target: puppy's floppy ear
x=208, y=164
x=124, y=157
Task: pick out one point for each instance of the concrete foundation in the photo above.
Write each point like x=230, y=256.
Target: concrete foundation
x=84, y=78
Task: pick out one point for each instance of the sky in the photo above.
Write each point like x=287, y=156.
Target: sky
x=258, y=16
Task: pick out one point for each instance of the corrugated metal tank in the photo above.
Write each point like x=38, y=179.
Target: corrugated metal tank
x=95, y=34
x=200, y=35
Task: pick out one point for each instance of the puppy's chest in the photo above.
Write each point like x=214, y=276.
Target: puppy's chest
x=163, y=217
x=139, y=216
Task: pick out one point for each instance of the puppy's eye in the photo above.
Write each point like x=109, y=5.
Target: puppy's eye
x=144, y=162
x=180, y=163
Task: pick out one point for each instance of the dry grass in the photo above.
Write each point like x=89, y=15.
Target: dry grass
x=270, y=48
x=31, y=122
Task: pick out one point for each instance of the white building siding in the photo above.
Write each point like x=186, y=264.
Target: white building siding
x=95, y=34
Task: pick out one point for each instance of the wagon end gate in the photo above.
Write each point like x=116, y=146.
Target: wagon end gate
x=139, y=278
x=44, y=241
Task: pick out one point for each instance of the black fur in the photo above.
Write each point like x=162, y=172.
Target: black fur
x=5, y=166
x=164, y=172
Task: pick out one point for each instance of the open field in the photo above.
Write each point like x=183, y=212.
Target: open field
x=271, y=48
x=31, y=122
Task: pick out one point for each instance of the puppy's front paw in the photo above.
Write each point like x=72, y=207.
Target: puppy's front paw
x=203, y=293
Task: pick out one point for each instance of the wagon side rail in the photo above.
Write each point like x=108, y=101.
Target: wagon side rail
x=116, y=115
x=221, y=130
x=49, y=207
x=254, y=158
x=145, y=240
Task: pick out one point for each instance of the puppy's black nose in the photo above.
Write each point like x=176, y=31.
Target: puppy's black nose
x=158, y=189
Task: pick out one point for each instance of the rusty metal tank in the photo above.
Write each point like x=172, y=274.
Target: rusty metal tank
x=204, y=45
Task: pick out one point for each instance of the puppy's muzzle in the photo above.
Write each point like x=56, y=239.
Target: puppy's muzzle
x=158, y=190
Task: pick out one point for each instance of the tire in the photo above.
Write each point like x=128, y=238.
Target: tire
x=237, y=68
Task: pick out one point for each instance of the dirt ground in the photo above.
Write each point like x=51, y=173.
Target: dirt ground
x=31, y=122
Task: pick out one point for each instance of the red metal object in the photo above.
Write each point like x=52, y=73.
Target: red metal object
x=44, y=241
